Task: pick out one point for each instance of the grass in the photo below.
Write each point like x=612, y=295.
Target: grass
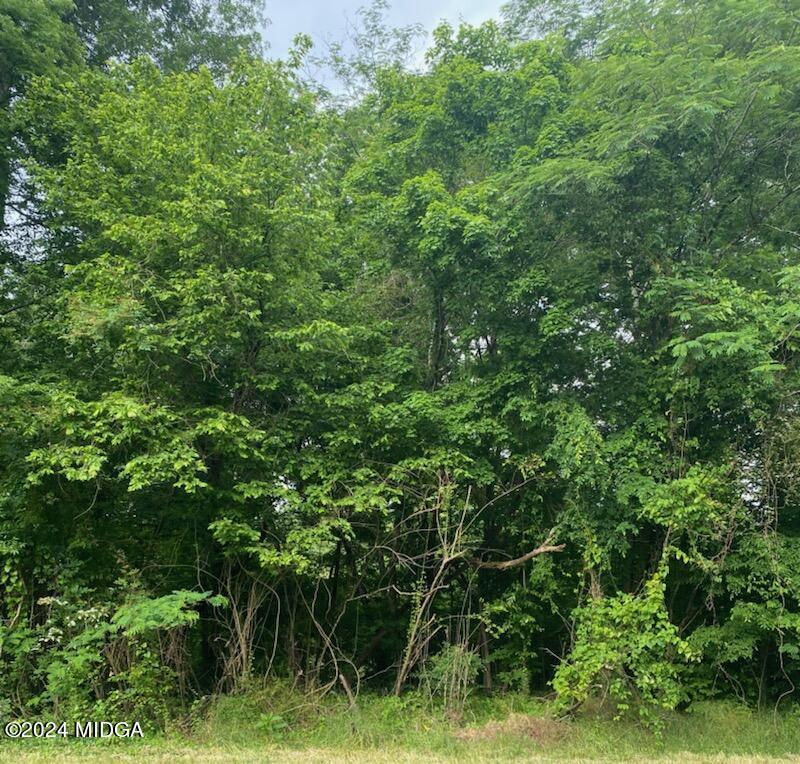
x=273, y=725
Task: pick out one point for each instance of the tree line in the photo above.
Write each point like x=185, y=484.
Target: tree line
x=479, y=373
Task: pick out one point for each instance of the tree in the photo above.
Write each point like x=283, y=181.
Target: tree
x=176, y=34
x=497, y=358
x=34, y=40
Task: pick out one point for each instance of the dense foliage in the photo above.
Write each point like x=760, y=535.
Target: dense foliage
x=486, y=375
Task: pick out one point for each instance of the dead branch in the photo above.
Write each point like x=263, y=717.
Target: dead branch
x=544, y=548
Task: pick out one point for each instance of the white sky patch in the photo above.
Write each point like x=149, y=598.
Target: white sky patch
x=328, y=21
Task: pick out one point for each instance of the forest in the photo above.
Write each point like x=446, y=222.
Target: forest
x=451, y=371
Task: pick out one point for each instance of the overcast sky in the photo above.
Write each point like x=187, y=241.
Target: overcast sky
x=326, y=19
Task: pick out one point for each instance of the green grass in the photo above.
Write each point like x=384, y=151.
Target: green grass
x=276, y=725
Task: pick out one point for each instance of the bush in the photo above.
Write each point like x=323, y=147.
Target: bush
x=626, y=651
x=449, y=675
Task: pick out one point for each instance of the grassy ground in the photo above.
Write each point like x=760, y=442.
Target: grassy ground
x=259, y=728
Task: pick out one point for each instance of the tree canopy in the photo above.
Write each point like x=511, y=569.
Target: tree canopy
x=496, y=358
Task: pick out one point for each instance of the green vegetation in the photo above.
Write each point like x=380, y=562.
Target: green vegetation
x=440, y=389
x=279, y=725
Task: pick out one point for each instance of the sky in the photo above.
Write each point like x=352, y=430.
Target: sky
x=327, y=19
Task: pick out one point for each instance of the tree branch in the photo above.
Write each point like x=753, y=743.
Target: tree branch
x=544, y=548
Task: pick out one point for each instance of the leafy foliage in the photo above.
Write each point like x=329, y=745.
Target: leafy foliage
x=480, y=373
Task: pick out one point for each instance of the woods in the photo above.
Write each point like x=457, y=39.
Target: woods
x=477, y=374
